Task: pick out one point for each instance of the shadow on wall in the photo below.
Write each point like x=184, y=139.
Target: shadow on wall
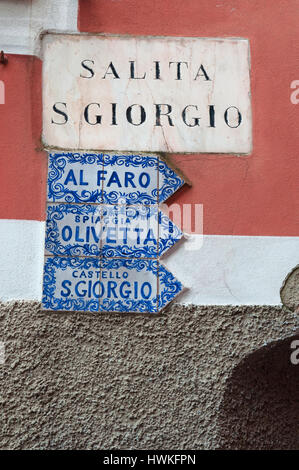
x=260, y=407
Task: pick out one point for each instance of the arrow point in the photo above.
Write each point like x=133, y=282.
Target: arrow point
x=169, y=287
x=169, y=181
x=169, y=233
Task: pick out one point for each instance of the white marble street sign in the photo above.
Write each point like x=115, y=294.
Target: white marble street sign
x=146, y=93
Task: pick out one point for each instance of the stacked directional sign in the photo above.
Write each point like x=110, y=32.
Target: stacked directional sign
x=105, y=233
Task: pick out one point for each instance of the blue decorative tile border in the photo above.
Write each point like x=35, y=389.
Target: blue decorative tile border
x=169, y=287
x=169, y=181
x=105, y=233
x=66, y=237
x=129, y=285
x=130, y=231
x=71, y=284
x=133, y=179
x=169, y=234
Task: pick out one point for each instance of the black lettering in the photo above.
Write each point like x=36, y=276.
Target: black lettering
x=178, y=70
x=159, y=114
x=226, y=117
x=113, y=71
x=195, y=120
x=86, y=115
x=113, y=123
x=203, y=74
x=87, y=68
x=62, y=113
x=132, y=71
x=212, y=115
x=157, y=70
x=142, y=115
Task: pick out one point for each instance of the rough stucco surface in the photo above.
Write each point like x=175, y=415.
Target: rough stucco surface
x=172, y=381
x=289, y=292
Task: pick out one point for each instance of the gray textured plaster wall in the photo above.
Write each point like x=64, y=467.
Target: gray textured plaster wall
x=190, y=378
x=289, y=291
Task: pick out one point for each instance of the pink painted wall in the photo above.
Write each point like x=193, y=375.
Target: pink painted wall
x=22, y=163
x=252, y=195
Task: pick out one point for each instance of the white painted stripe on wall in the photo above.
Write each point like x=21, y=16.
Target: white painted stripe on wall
x=21, y=22
x=233, y=270
x=226, y=270
x=21, y=259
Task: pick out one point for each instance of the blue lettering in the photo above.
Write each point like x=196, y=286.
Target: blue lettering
x=94, y=234
x=150, y=238
x=95, y=286
x=65, y=285
x=111, y=289
x=101, y=177
x=77, y=238
x=147, y=182
x=129, y=179
x=83, y=183
x=70, y=177
x=114, y=179
x=84, y=291
x=138, y=230
x=66, y=233
x=124, y=294
x=111, y=231
x=125, y=230
x=143, y=294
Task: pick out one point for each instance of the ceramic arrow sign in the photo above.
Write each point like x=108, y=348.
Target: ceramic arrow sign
x=109, y=230
x=105, y=233
x=146, y=93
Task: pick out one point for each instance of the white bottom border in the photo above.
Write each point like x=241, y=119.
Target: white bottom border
x=21, y=259
x=233, y=270
x=216, y=269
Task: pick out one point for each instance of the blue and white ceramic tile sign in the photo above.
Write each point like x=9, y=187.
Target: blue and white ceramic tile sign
x=107, y=178
x=105, y=233
x=107, y=285
x=111, y=231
